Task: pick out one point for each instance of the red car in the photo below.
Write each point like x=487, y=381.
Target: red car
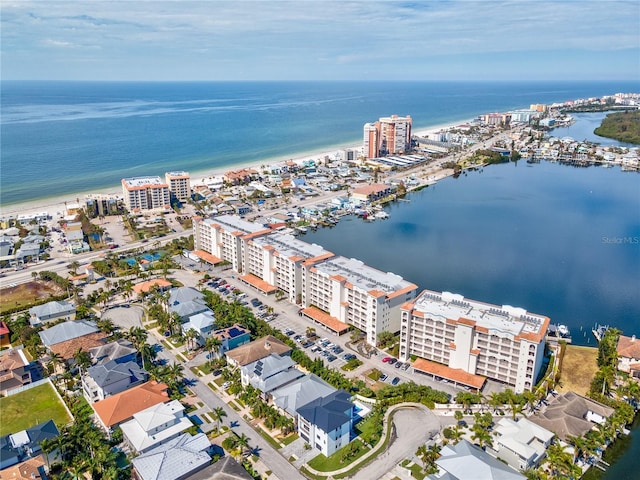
x=386, y=359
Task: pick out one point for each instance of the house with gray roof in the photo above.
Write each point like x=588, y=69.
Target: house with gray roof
x=270, y=373
x=51, y=311
x=120, y=351
x=300, y=392
x=326, y=422
x=155, y=425
x=224, y=469
x=106, y=379
x=570, y=414
x=203, y=323
x=464, y=461
x=186, y=301
x=522, y=444
x=65, y=331
x=174, y=460
x=20, y=446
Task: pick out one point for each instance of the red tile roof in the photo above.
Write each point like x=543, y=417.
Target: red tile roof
x=118, y=408
x=149, y=284
x=258, y=283
x=325, y=319
x=207, y=257
x=454, y=374
x=628, y=347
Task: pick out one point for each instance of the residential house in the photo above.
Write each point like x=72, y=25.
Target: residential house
x=120, y=351
x=464, y=461
x=15, y=370
x=572, y=415
x=289, y=398
x=202, y=323
x=67, y=338
x=143, y=288
x=112, y=411
x=326, y=422
x=371, y=193
x=256, y=350
x=174, y=460
x=51, y=311
x=155, y=425
x=20, y=446
x=232, y=337
x=30, y=469
x=224, y=469
x=109, y=378
x=522, y=444
x=270, y=373
x=629, y=355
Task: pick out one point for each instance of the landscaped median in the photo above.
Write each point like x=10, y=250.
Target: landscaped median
x=322, y=467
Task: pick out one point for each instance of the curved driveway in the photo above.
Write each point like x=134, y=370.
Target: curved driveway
x=413, y=427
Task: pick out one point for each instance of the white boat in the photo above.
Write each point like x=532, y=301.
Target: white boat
x=382, y=215
x=302, y=229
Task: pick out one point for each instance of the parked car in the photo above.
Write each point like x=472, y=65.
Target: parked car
x=386, y=359
x=398, y=365
x=392, y=361
x=331, y=358
x=337, y=349
x=395, y=381
x=348, y=356
x=406, y=366
x=383, y=377
x=289, y=332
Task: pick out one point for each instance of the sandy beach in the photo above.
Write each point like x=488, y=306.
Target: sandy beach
x=56, y=206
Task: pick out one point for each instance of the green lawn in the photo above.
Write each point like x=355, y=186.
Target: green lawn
x=31, y=407
x=329, y=464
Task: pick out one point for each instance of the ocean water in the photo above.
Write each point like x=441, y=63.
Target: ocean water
x=59, y=138
x=559, y=241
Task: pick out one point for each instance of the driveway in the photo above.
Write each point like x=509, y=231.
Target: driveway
x=413, y=427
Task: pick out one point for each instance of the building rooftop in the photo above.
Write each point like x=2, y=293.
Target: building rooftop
x=66, y=331
x=363, y=276
x=260, y=348
x=464, y=461
x=300, y=392
x=175, y=459
x=328, y=413
x=235, y=224
x=523, y=437
x=112, y=350
x=224, y=469
x=178, y=174
x=118, y=408
x=628, y=347
x=143, y=182
x=111, y=372
x=566, y=415
x=52, y=308
x=290, y=247
x=184, y=294
x=499, y=319
x=68, y=348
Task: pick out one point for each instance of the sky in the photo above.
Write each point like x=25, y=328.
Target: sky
x=320, y=40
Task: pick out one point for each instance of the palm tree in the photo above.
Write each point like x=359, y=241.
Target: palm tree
x=243, y=444
x=218, y=414
x=138, y=336
x=212, y=346
x=73, y=267
x=55, y=360
x=82, y=359
x=481, y=435
x=191, y=335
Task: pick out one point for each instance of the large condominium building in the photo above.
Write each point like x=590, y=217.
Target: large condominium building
x=145, y=193
x=279, y=259
x=467, y=341
x=387, y=136
x=224, y=237
x=179, y=185
x=345, y=291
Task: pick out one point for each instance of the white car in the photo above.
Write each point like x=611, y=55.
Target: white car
x=226, y=385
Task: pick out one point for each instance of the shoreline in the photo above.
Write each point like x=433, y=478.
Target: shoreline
x=53, y=205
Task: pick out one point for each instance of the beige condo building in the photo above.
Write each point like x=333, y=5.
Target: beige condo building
x=467, y=341
x=145, y=193
x=179, y=185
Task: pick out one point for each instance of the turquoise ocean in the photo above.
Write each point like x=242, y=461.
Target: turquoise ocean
x=59, y=138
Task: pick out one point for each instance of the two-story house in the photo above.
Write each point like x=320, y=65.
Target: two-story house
x=155, y=425
x=109, y=378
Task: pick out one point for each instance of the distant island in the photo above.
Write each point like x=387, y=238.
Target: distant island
x=621, y=126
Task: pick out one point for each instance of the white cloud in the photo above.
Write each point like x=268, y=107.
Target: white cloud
x=179, y=34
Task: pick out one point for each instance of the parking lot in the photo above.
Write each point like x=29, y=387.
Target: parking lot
x=283, y=316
